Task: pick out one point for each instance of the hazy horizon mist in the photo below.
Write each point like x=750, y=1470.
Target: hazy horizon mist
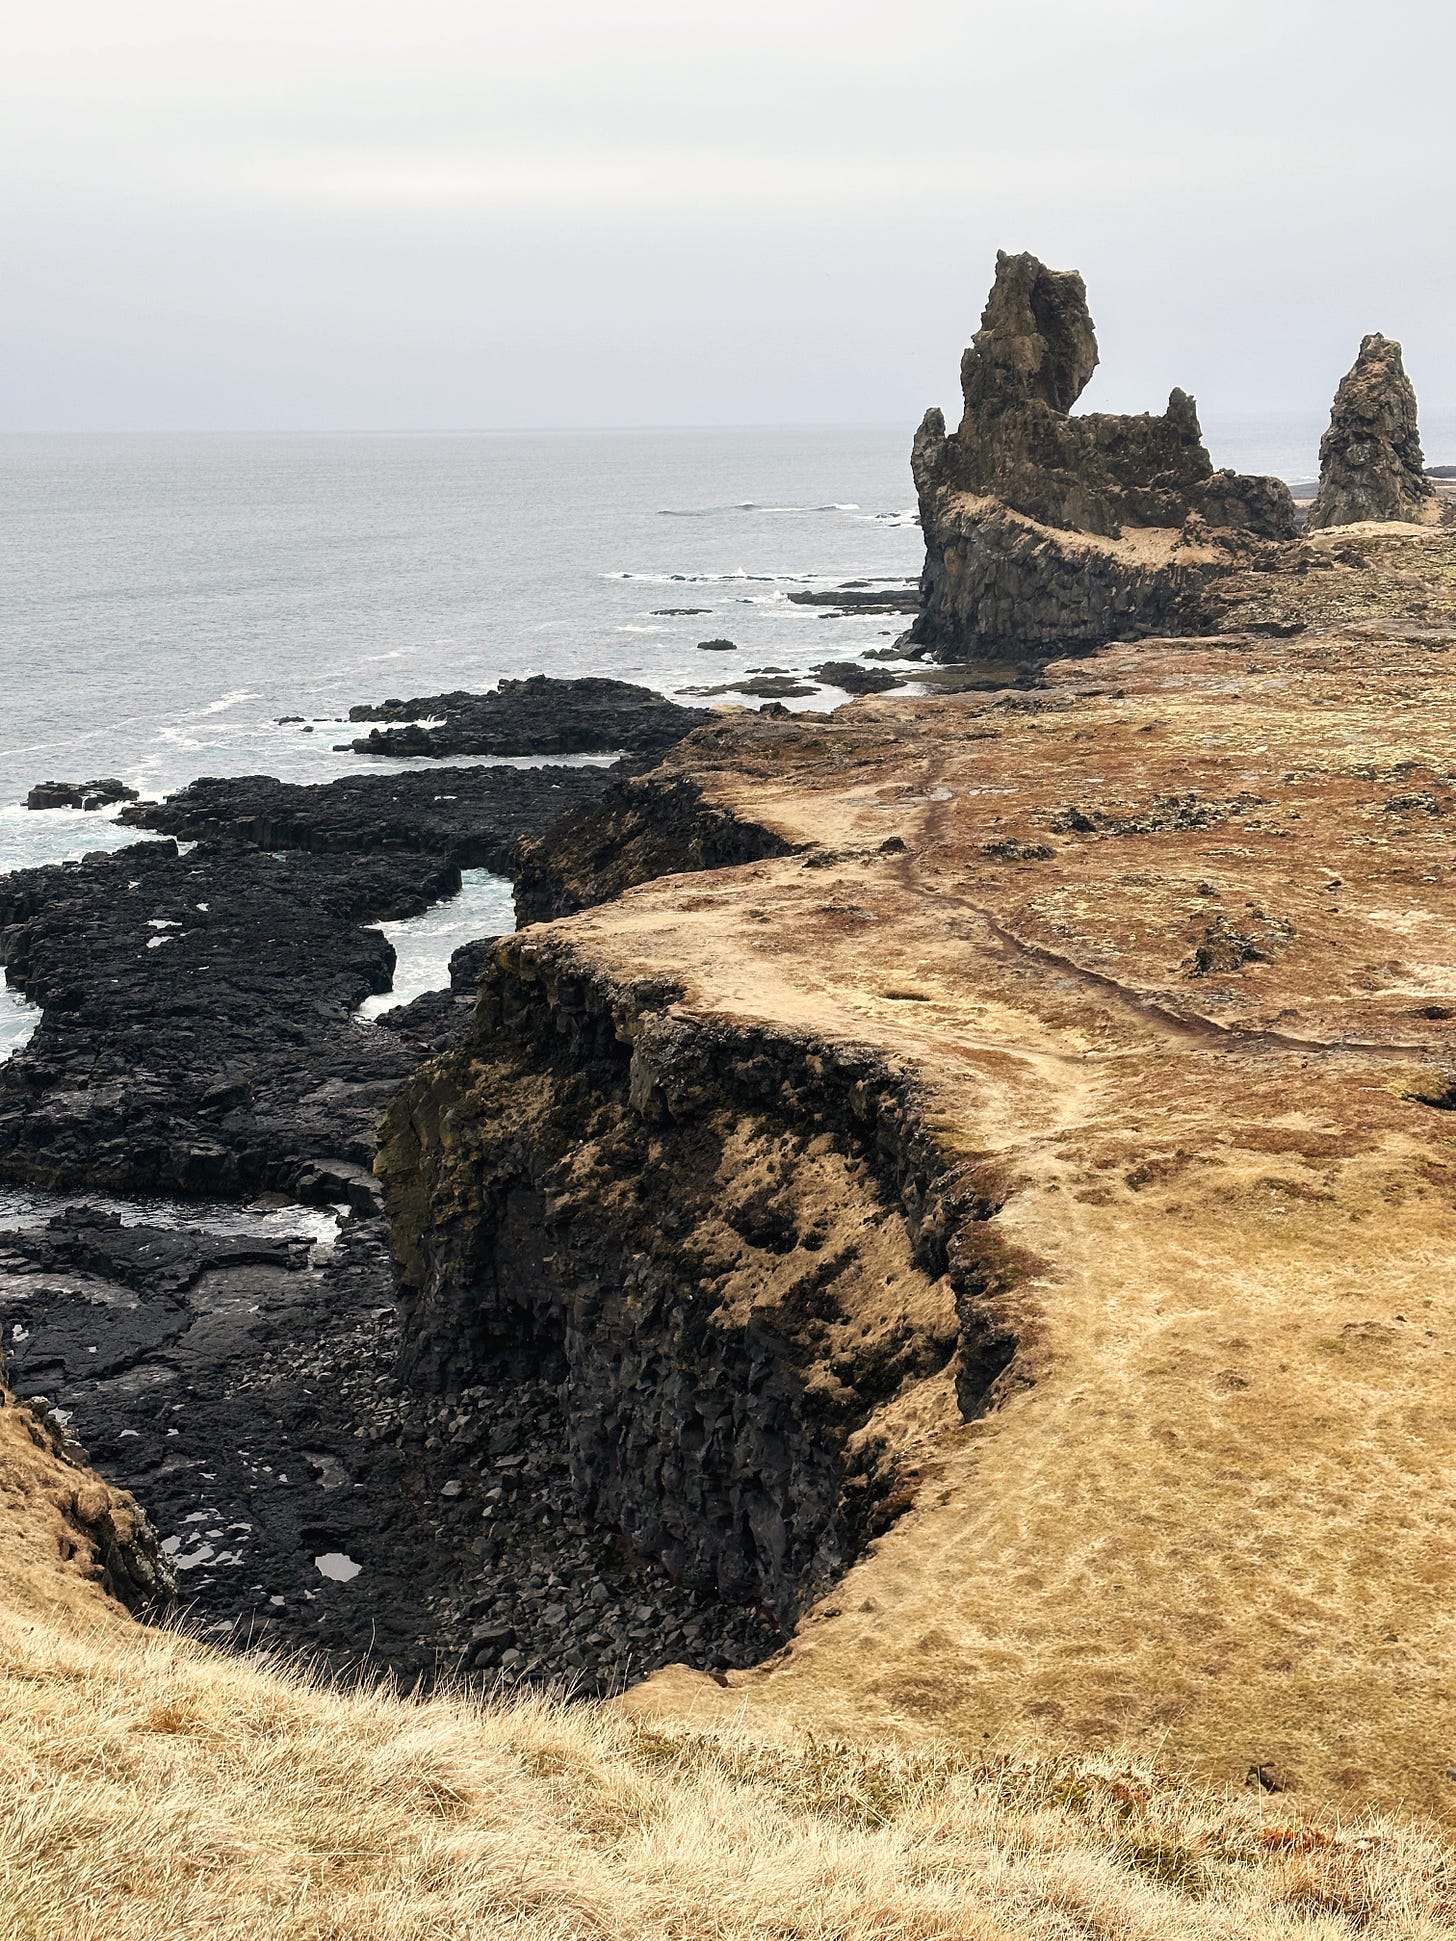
x=343, y=217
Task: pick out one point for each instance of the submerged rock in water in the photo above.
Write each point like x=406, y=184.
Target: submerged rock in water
x=895, y=598
x=538, y=716
x=1042, y=528
x=771, y=687
x=1371, y=465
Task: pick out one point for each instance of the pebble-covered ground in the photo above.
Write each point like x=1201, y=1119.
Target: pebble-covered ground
x=245, y=1391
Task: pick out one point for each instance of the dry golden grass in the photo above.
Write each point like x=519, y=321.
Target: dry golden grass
x=1220, y=1519
x=151, y=1788
x=1217, y=1522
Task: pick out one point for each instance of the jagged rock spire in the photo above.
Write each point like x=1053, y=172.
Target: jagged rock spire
x=1371, y=465
x=1017, y=441
x=1010, y=499
x=1036, y=343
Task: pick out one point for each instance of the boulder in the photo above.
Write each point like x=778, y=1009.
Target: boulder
x=856, y=679
x=1371, y=466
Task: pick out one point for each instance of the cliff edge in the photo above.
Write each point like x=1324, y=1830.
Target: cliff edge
x=1002, y=1231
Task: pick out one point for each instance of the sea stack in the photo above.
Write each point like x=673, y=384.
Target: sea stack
x=1371, y=465
x=1043, y=529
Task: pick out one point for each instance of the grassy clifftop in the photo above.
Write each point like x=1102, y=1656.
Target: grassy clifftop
x=1167, y=945
x=150, y=1787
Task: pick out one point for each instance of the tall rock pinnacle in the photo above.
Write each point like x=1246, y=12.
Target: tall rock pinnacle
x=1043, y=529
x=1371, y=465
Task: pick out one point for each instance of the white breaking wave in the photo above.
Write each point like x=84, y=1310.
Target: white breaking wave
x=18, y=1019
x=747, y=505
x=735, y=578
x=26, y=1206
x=231, y=700
x=423, y=945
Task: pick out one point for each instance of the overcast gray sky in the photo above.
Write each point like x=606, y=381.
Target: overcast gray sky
x=589, y=212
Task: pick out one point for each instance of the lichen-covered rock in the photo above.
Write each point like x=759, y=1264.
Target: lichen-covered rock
x=1371, y=465
x=1042, y=528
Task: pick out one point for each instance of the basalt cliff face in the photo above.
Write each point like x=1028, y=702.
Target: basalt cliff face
x=1042, y=528
x=757, y=1283
x=1371, y=464
x=1001, y=1232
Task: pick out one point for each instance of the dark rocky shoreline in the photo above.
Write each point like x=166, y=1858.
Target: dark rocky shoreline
x=198, y=1037
x=197, y=1030
x=537, y=716
x=472, y=817
x=248, y=1393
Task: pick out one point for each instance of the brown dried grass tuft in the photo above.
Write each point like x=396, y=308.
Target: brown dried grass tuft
x=151, y=1787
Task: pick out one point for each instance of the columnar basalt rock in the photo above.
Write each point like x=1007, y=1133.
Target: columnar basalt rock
x=1371, y=465
x=738, y=1255
x=1044, y=529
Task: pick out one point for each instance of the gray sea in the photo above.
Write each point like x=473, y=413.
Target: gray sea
x=164, y=600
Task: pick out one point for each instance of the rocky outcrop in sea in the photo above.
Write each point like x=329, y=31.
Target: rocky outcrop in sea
x=537, y=716
x=472, y=817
